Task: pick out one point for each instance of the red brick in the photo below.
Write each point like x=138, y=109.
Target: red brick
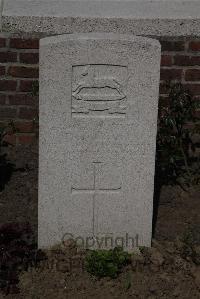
x=11, y=139
x=22, y=99
x=195, y=60
x=184, y=60
x=193, y=88
x=23, y=72
x=181, y=60
x=29, y=58
x=8, y=85
x=7, y=112
x=192, y=75
x=172, y=45
x=28, y=113
x=26, y=85
x=25, y=139
x=2, y=42
x=19, y=43
x=170, y=74
x=24, y=127
x=196, y=98
x=166, y=60
x=2, y=99
x=194, y=46
x=2, y=70
x=8, y=57
x=197, y=113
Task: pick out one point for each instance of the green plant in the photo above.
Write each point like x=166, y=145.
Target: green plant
x=35, y=88
x=128, y=281
x=35, y=93
x=102, y=263
x=6, y=167
x=142, y=249
x=174, y=138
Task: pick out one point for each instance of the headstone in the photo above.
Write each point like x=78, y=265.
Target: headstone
x=98, y=121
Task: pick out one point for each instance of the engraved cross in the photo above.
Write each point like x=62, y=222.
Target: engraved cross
x=95, y=190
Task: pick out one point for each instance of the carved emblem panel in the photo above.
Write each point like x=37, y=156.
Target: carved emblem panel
x=99, y=90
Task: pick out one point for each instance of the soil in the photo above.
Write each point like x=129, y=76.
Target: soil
x=19, y=199
x=170, y=269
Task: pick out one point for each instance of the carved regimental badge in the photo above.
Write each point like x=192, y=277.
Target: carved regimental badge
x=99, y=90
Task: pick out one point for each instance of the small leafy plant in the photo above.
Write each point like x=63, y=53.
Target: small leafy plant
x=174, y=138
x=35, y=93
x=106, y=263
x=35, y=88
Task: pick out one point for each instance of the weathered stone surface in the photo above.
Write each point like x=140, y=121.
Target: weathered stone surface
x=1, y=9
x=139, y=17
x=98, y=120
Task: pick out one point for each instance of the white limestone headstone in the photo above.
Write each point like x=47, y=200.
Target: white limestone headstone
x=98, y=121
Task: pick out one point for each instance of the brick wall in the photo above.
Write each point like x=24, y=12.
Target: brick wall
x=180, y=62
x=19, y=69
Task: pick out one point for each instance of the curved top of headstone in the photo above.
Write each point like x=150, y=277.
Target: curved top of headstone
x=139, y=17
x=143, y=41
